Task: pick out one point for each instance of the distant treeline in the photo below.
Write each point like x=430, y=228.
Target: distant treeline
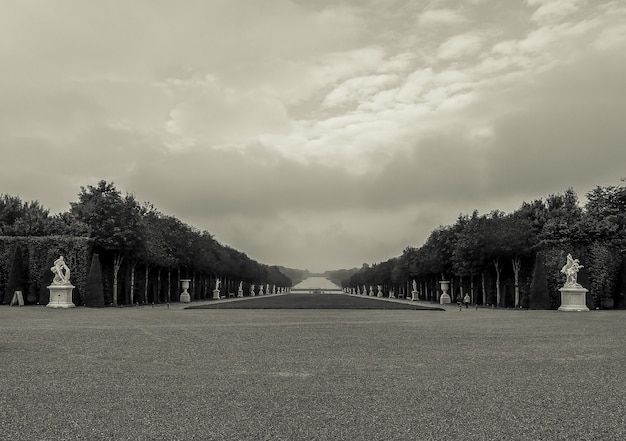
x=143, y=253
x=514, y=259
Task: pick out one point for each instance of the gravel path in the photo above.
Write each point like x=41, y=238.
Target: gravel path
x=142, y=373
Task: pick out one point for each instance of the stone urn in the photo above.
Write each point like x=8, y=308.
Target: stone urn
x=445, y=297
x=184, y=296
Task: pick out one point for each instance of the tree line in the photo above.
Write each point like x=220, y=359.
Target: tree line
x=514, y=259
x=143, y=253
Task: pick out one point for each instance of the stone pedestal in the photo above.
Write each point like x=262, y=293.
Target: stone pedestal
x=240, y=293
x=414, y=295
x=216, y=294
x=60, y=296
x=573, y=299
x=184, y=296
x=380, y=292
x=445, y=297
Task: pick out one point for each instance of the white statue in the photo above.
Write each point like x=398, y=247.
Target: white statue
x=570, y=269
x=217, y=283
x=414, y=285
x=61, y=272
x=240, y=286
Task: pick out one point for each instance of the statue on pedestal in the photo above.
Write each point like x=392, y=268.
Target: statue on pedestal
x=570, y=269
x=573, y=295
x=61, y=272
x=60, y=288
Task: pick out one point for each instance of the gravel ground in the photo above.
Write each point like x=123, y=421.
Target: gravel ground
x=142, y=373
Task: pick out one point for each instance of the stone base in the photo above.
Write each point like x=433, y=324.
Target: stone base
x=185, y=297
x=445, y=298
x=60, y=296
x=216, y=294
x=240, y=293
x=414, y=295
x=573, y=299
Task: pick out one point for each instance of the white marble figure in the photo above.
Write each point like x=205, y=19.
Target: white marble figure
x=61, y=272
x=240, y=286
x=570, y=269
x=217, y=283
x=414, y=285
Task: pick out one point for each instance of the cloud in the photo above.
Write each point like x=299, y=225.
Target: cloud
x=358, y=89
x=438, y=17
x=460, y=46
x=308, y=133
x=551, y=11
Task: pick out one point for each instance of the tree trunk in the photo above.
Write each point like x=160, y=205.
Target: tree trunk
x=145, y=290
x=117, y=263
x=517, y=264
x=169, y=285
x=193, y=285
x=157, y=296
x=132, y=283
x=472, y=295
x=482, y=275
x=496, y=264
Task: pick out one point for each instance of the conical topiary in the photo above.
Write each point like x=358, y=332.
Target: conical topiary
x=47, y=276
x=18, y=276
x=539, y=296
x=94, y=292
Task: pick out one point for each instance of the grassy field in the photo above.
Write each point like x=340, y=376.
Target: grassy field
x=143, y=373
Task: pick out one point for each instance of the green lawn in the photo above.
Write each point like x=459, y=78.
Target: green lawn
x=314, y=301
x=143, y=373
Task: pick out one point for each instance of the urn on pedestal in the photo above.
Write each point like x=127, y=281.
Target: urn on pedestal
x=184, y=296
x=445, y=297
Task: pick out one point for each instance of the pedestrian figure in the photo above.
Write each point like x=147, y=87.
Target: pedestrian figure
x=459, y=301
x=466, y=300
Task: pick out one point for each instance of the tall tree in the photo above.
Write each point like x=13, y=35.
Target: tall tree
x=114, y=222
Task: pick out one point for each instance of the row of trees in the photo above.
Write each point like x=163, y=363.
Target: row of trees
x=143, y=252
x=514, y=259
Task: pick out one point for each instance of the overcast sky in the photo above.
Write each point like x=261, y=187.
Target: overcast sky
x=314, y=134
